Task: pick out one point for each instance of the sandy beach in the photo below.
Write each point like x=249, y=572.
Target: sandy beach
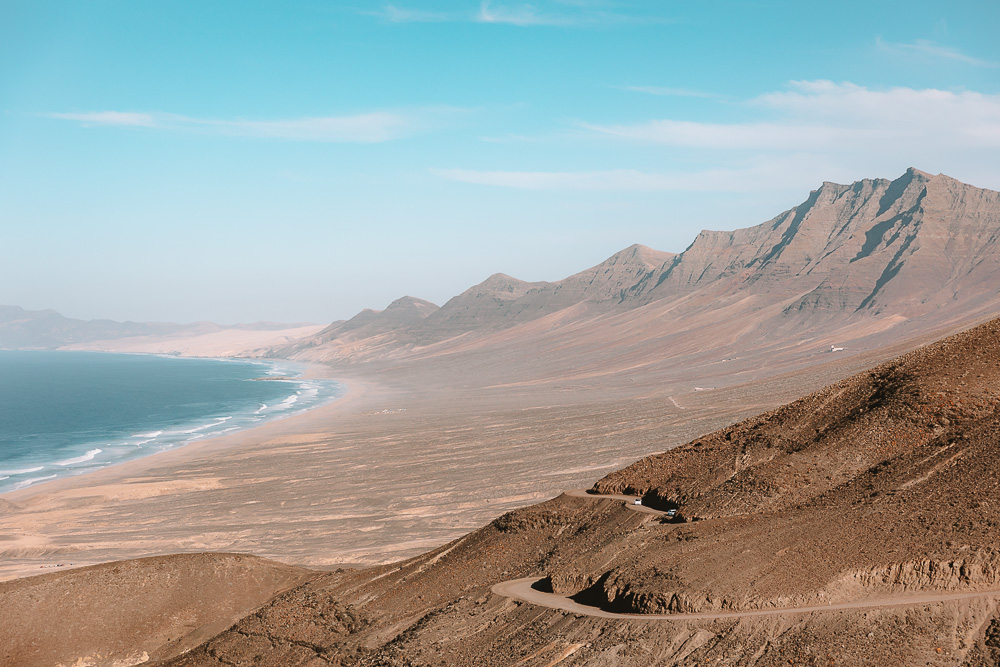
x=396, y=466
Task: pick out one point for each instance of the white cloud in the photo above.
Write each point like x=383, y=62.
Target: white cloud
x=763, y=136
x=520, y=14
x=404, y=15
x=798, y=137
x=109, y=118
x=371, y=127
x=928, y=49
x=837, y=117
x=557, y=13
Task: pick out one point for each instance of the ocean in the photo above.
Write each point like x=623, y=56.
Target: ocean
x=65, y=413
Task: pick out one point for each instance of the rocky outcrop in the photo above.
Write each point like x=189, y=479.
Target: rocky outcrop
x=927, y=574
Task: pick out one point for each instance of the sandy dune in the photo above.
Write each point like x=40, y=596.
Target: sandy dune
x=224, y=343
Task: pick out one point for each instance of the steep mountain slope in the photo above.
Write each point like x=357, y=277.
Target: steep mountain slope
x=849, y=263
x=874, y=489
x=871, y=246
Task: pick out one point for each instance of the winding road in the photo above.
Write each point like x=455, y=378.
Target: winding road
x=629, y=500
x=522, y=589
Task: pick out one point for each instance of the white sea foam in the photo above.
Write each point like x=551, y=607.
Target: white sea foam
x=263, y=406
x=80, y=459
x=23, y=471
x=220, y=420
x=288, y=402
x=150, y=435
x=29, y=482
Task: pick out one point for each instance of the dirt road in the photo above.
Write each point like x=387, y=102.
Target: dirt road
x=521, y=589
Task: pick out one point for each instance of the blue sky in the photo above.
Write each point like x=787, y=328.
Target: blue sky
x=299, y=161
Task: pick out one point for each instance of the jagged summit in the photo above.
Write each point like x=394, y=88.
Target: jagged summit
x=846, y=243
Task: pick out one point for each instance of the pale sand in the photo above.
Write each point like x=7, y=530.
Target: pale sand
x=228, y=342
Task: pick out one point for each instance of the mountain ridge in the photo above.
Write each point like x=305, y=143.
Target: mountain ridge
x=877, y=249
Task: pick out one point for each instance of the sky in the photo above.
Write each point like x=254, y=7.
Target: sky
x=239, y=161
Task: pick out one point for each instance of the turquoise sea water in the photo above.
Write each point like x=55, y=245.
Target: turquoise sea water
x=63, y=413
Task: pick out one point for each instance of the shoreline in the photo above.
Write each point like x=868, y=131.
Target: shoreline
x=400, y=464
x=353, y=390
x=307, y=371
x=26, y=553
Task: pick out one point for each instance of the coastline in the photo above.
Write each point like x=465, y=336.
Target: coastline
x=400, y=464
x=170, y=473
x=296, y=374
x=354, y=391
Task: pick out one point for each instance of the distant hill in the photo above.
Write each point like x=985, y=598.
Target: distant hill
x=48, y=330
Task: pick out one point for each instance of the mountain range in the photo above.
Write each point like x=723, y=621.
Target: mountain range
x=854, y=266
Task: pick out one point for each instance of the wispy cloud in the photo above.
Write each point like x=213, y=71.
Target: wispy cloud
x=522, y=15
x=929, y=49
x=750, y=176
x=809, y=132
x=823, y=115
x=397, y=14
x=555, y=13
x=374, y=127
x=668, y=92
x=124, y=118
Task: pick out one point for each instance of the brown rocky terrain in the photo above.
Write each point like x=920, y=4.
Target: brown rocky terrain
x=878, y=487
x=130, y=612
